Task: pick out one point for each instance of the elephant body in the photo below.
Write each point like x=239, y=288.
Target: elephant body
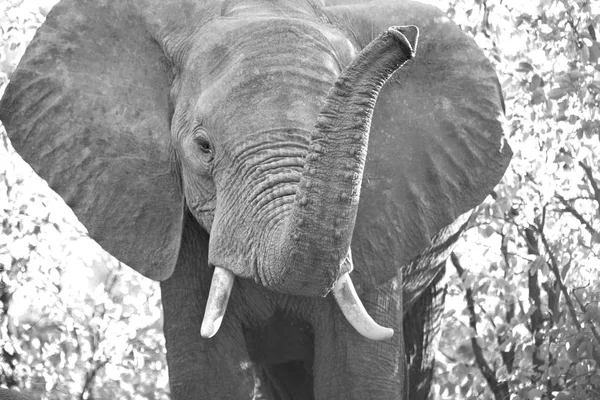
x=202, y=140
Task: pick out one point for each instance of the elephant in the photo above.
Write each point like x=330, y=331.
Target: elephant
x=220, y=147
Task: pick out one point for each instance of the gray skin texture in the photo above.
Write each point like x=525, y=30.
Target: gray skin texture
x=6, y=394
x=192, y=134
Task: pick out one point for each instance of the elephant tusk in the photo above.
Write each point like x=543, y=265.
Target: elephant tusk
x=354, y=311
x=216, y=305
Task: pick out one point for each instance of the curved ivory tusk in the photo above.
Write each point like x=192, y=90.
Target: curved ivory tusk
x=216, y=305
x=354, y=311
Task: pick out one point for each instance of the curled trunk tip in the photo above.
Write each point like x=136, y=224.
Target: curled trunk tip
x=407, y=36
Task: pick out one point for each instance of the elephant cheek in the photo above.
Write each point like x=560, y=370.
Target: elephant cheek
x=225, y=248
x=226, y=251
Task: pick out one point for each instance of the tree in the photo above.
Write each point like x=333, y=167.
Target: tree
x=531, y=284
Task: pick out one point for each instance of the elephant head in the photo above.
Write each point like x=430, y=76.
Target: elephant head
x=255, y=119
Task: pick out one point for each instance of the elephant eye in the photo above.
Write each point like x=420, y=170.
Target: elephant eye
x=203, y=145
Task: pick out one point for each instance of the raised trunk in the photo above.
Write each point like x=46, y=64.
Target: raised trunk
x=307, y=253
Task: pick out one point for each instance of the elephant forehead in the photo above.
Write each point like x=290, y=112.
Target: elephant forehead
x=262, y=103
x=232, y=45
x=266, y=71
x=291, y=8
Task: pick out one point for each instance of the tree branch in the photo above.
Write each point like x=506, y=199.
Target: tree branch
x=90, y=376
x=561, y=284
x=570, y=209
x=536, y=319
x=508, y=357
x=583, y=310
x=590, y=175
x=499, y=389
x=110, y=282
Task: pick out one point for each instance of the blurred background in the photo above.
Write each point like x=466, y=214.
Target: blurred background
x=521, y=320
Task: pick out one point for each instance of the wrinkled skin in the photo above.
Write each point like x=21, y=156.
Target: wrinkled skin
x=193, y=136
x=6, y=394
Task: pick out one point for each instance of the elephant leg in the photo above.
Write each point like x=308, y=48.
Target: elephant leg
x=216, y=368
x=349, y=366
x=421, y=334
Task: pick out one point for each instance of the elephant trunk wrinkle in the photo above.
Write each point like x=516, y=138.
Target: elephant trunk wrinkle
x=272, y=185
x=279, y=191
x=253, y=160
x=276, y=171
x=255, y=154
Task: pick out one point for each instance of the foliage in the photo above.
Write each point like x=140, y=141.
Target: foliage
x=74, y=323
x=528, y=268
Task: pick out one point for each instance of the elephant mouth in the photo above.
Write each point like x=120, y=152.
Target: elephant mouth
x=343, y=291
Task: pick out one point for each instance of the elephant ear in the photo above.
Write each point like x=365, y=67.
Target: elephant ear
x=88, y=108
x=436, y=145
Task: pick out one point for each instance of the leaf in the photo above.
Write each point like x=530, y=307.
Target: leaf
x=585, y=350
x=589, y=128
x=565, y=270
x=537, y=97
x=561, y=118
x=595, y=86
x=501, y=206
x=460, y=371
x=591, y=31
x=564, y=396
x=572, y=355
x=536, y=82
x=585, y=55
x=524, y=67
x=594, y=50
x=592, y=313
x=488, y=231
x=507, y=82
x=538, y=264
x=563, y=157
x=535, y=394
x=556, y=93
x=563, y=80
